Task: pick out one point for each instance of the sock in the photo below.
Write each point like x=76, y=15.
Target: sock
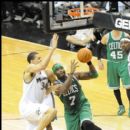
x=117, y=94
x=128, y=95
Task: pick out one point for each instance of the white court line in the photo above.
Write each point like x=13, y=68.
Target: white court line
x=37, y=44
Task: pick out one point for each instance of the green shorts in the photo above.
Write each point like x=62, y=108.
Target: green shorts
x=74, y=121
x=117, y=71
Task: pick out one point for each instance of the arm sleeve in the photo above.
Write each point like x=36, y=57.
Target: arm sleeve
x=99, y=48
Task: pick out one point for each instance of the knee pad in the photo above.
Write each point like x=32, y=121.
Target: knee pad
x=89, y=125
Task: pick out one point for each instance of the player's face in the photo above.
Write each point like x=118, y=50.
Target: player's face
x=60, y=72
x=37, y=59
x=125, y=46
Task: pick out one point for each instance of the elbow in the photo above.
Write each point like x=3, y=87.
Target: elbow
x=95, y=75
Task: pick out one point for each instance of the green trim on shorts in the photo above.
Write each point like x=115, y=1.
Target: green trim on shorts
x=113, y=88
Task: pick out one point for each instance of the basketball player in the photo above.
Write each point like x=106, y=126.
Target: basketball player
x=117, y=65
x=125, y=45
x=77, y=107
x=37, y=103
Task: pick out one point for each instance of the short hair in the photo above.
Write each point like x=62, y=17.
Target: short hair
x=31, y=56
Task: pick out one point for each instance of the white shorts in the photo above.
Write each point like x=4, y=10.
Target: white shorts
x=33, y=112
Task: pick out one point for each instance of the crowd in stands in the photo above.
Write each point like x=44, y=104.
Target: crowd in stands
x=32, y=12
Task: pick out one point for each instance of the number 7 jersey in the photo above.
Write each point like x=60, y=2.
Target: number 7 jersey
x=114, y=50
x=74, y=98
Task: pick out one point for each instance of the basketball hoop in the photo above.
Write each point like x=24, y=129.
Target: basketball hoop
x=76, y=12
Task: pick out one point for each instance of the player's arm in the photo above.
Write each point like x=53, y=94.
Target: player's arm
x=50, y=75
x=53, y=88
x=66, y=85
x=77, y=41
x=52, y=79
x=45, y=61
x=99, y=48
x=63, y=88
x=92, y=73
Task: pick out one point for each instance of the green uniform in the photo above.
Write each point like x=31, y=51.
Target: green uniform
x=76, y=106
x=117, y=65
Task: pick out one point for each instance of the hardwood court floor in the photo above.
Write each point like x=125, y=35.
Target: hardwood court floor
x=102, y=101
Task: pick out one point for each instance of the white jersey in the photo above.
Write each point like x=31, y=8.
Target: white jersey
x=35, y=91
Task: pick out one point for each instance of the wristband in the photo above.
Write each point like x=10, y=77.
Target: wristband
x=89, y=63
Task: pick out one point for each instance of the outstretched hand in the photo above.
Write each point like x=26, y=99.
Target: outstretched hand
x=54, y=41
x=73, y=66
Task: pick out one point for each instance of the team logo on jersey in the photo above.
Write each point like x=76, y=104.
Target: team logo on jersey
x=43, y=81
x=38, y=112
x=73, y=89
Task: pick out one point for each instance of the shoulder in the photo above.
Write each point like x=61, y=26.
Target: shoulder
x=49, y=73
x=28, y=75
x=29, y=67
x=105, y=38
x=51, y=76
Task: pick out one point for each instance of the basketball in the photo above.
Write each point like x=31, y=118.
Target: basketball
x=84, y=55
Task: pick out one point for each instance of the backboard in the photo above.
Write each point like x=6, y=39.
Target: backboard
x=60, y=16
x=69, y=15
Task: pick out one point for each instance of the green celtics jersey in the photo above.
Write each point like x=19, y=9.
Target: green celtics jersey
x=74, y=98
x=114, y=51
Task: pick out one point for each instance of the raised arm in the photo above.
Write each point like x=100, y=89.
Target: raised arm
x=32, y=68
x=66, y=85
x=92, y=73
x=99, y=48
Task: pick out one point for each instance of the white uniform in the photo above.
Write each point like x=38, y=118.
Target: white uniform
x=129, y=63
x=34, y=102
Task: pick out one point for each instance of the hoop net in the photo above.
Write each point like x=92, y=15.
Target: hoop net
x=76, y=12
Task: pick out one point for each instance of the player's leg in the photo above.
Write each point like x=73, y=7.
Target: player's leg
x=49, y=127
x=46, y=118
x=121, y=109
x=124, y=73
x=128, y=95
x=89, y=125
x=40, y=115
x=49, y=101
x=72, y=121
x=114, y=84
x=86, y=118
